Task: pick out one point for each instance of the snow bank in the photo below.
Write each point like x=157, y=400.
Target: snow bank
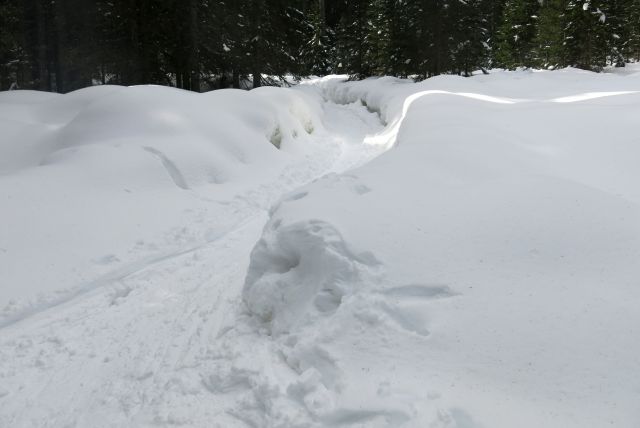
x=104, y=181
x=483, y=273
x=128, y=216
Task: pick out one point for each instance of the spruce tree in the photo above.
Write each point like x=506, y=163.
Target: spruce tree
x=15, y=64
x=549, y=51
x=493, y=14
x=377, y=55
x=404, y=51
x=586, y=35
x=352, y=43
x=470, y=36
x=633, y=30
x=517, y=33
x=318, y=50
x=434, y=38
x=617, y=32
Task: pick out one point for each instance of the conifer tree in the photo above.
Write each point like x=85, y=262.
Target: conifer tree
x=404, y=43
x=516, y=33
x=549, y=42
x=493, y=15
x=379, y=15
x=14, y=59
x=616, y=31
x=62, y=45
x=434, y=40
x=318, y=51
x=352, y=43
x=586, y=34
x=470, y=41
x=633, y=25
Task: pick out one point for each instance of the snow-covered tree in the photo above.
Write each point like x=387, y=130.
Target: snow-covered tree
x=587, y=34
x=318, y=51
x=470, y=42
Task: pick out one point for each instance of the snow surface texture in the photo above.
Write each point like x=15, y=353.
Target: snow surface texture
x=481, y=273
x=104, y=181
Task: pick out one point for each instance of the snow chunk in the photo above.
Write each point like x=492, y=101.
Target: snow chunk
x=300, y=272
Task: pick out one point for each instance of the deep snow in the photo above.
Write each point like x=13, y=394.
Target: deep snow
x=163, y=263
x=483, y=273
x=104, y=181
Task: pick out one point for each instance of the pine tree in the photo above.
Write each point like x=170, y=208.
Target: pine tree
x=14, y=59
x=67, y=44
x=633, y=29
x=404, y=45
x=617, y=32
x=516, y=33
x=586, y=35
x=493, y=14
x=434, y=39
x=470, y=47
x=377, y=39
x=318, y=51
x=549, y=42
x=352, y=45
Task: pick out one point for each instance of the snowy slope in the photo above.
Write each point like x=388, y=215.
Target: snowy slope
x=163, y=264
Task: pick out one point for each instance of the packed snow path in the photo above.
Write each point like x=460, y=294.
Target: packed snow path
x=141, y=344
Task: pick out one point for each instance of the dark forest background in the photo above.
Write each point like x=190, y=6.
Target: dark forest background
x=62, y=45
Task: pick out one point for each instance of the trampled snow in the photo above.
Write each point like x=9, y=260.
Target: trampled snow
x=103, y=181
x=168, y=259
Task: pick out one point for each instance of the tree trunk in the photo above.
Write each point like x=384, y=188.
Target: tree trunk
x=236, y=79
x=223, y=81
x=322, y=9
x=60, y=43
x=43, y=73
x=257, y=48
x=194, y=61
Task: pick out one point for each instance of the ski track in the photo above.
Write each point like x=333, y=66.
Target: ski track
x=155, y=342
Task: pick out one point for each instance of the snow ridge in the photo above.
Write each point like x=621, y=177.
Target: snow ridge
x=479, y=231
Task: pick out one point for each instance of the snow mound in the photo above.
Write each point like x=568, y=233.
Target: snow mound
x=128, y=176
x=108, y=115
x=300, y=272
x=499, y=278
x=127, y=222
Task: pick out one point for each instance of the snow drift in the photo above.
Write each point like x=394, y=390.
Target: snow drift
x=483, y=273
x=103, y=181
x=128, y=216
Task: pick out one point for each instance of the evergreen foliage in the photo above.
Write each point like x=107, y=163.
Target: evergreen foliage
x=549, y=42
x=62, y=45
x=517, y=33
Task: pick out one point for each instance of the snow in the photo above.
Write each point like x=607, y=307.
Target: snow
x=481, y=273
x=107, y=179
x=460, y=252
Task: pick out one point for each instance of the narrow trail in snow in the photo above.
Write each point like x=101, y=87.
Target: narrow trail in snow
x=145, y=345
